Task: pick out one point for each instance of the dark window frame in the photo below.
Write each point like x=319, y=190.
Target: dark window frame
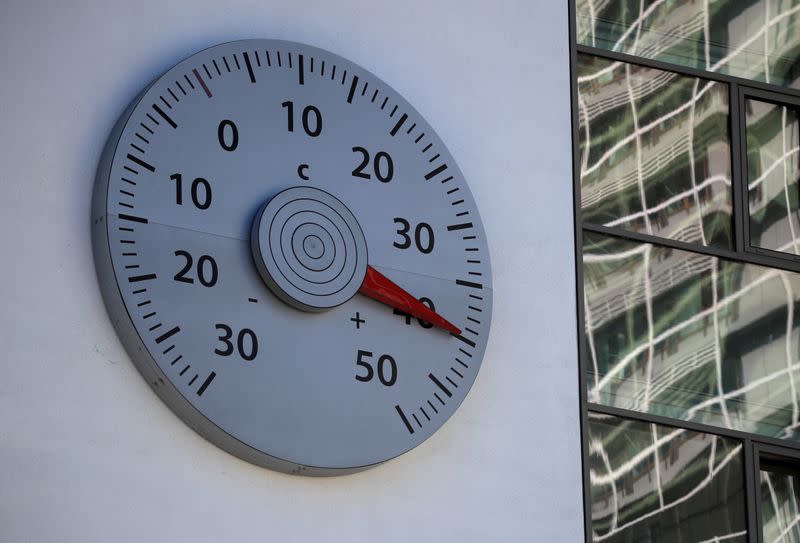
x=780, y=99
x=739, y=88
x=775, y=454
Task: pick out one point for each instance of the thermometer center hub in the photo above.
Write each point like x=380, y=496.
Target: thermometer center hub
x=309, y=249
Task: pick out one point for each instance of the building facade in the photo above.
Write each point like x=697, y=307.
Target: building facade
x=686, y=168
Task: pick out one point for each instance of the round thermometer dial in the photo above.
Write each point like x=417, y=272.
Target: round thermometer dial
x=292, y=257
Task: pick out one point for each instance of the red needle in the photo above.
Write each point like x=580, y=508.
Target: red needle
x=381, y=289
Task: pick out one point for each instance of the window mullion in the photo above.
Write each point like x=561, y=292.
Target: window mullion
x=738, y=177
x=750, y=488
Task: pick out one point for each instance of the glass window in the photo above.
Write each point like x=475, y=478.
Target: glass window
x=660, y=484
x=773, y=173
x=692, y=337
x=654, y=151
x=780, y=502
x=753, y=39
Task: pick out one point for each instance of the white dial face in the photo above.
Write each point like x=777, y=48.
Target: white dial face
x=262, y=213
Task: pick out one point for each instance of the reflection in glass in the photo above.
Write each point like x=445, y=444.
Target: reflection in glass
x=773, y=172
x=654, y=151
x=692, y=337
x=660, y=484
x=753, y=39
x=780, y=504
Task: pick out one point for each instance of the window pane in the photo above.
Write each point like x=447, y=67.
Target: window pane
x=660, y=484
x=654, y=151
x=754, y=39
x=780, y=505
x=772, y=173
x=692, y=337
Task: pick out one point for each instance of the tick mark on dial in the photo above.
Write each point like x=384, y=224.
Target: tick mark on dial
x=352, y=90
x=202, y=83
x=439, y=384
x=404, y=419
x=166, y=117
x=169, y=333
x=399, y=123
x=436, y=171
x=250, y=69
x=461, y=226
x=358, y=320
x=205, y=384
x=301, y=78
x=465, y=340
x=133, y=218
x=253, y=300
x=142, y=163
x=137, y=278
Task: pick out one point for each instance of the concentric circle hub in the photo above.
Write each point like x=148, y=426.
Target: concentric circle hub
x=309, y=249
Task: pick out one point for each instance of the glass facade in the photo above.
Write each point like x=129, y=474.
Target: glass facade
x=752, y=39
x=654, y=151
x=688, y=163
x=692, y=337
x=656, y=483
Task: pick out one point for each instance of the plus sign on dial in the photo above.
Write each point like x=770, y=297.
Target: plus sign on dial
x=254, y=207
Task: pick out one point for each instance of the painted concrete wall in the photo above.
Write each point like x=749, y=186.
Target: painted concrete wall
x=89, y=453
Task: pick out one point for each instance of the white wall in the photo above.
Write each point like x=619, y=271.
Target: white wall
x=89, y=453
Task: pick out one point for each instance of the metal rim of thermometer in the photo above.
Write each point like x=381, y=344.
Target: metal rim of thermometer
x=257, y=337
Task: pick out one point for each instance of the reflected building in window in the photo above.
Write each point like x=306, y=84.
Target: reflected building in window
x=654, y=152
x=751, y=39
x=660, y=484
x=692, y=337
